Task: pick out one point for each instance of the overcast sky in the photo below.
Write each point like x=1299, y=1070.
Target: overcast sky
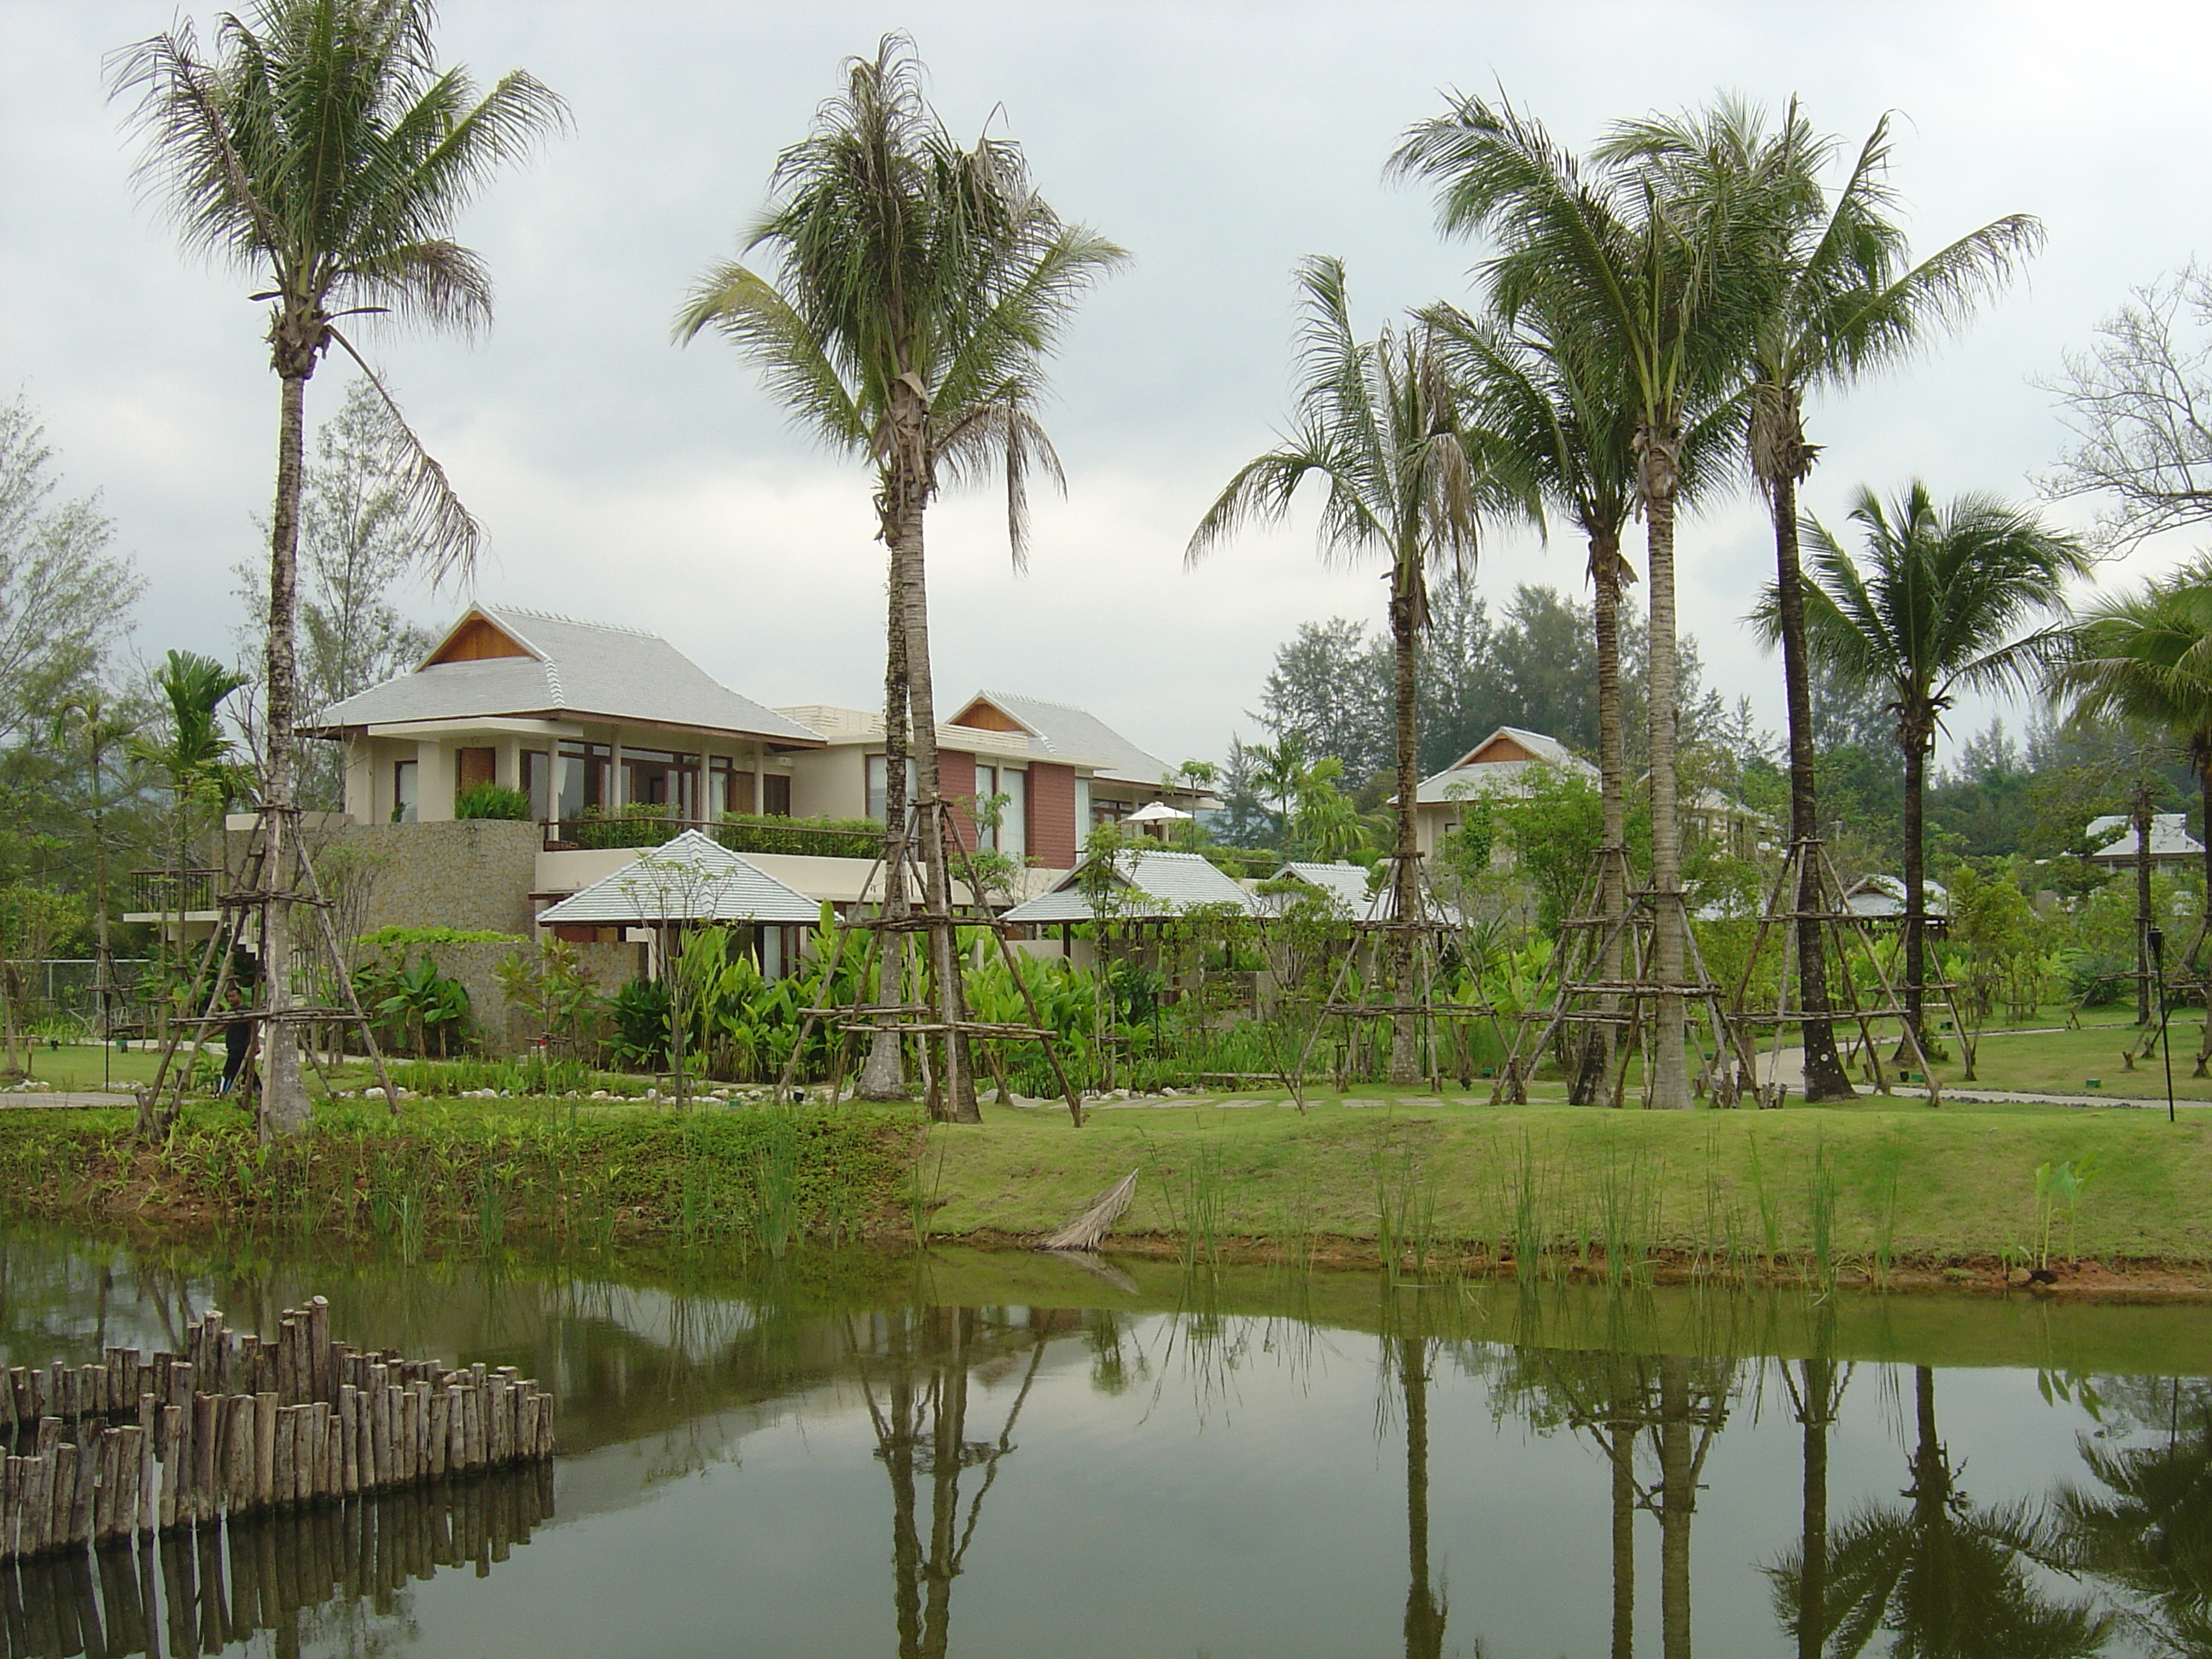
x=622, y=479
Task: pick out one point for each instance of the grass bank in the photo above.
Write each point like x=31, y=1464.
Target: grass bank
x=474, y=1172
x=1863, y=1187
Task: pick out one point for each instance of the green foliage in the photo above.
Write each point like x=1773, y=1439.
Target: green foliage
x=1554, y=827
x=414, y=1004
x=1997, y=948
x=640, y=1013
x=552, y=985
x=2059, y=1189
x=390, y=939
x=493, y=800
x=817, y=837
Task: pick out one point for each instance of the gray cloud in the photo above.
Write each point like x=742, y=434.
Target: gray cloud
x=622, y=479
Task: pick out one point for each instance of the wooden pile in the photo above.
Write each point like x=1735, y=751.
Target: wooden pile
x=236, y=1426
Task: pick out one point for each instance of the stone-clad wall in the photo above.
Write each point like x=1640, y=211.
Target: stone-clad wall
x=467, y=873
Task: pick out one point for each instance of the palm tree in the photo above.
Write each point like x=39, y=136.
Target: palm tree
x=919, y=288
x=102, y=727
x=1666, y=286
x=2145, y=659
x=1841, y=303
x=1934, y=606
x=1380, y=424
x=1561, y=416
x=197, y=759
x=320, y=148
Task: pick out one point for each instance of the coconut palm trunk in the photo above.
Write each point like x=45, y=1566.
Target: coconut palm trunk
x=884, y=1075
x=1425, y=1608
x=1594, y=1075
x=1406, y=617
x=284, y=1105
x=2140, y=810
x=1825, y=1076
x=1915, y=735
x=955, y=1080
x=1659, y=449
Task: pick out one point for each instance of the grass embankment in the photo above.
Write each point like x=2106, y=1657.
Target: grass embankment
x=473, y=1172
x=1866, y=1185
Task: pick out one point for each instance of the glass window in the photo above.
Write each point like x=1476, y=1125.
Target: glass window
x=403, y=774
x=583, y=777
x=878, y=779
x=538, y=781
x=1083, y=823
x=987, y=785
x=1014, y=821
x=660, y=777
x=776, y=794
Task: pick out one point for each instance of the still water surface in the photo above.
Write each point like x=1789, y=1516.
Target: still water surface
x=1001, y=1457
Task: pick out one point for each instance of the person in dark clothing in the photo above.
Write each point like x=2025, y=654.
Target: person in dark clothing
x=237, y=1042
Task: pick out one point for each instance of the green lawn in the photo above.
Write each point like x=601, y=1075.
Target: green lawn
x=1956, y=1181
x=2066, y=1062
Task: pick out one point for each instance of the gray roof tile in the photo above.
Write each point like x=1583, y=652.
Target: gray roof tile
x=690, y=879
x=1166, y=884
x=578, y=670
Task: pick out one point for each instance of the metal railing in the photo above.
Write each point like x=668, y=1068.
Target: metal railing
x=168, y=892
x=643, y=828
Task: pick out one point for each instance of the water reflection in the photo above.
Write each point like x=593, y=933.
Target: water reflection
x=1236, y=1465
x=335, y=1578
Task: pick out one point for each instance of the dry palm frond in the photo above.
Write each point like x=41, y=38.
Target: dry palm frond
x=1094, y=1224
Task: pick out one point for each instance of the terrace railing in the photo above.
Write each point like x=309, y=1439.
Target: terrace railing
x=168, y=892
x=643, y=827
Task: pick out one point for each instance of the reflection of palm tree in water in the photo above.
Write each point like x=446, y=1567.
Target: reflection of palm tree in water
x=1424, y=1607
x=1948, y=1580
x=1801, y=1581
x=921, y=1432
x=2152, y=1535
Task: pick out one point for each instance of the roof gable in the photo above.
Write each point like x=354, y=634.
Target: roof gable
x=476, y=638
x=981, y=714
x=690, y=879
x=1077, y=736
x=563, y=668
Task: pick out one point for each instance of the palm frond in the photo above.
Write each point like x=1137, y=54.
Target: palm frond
x=431, y=517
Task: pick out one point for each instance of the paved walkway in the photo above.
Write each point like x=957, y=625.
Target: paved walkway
x=1792, y=1072
x=59, y=1098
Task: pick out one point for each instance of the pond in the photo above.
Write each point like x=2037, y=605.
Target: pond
x=1001, y=1455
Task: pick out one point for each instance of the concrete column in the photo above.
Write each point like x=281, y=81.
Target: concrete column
x=360, y=781
x=434, y=781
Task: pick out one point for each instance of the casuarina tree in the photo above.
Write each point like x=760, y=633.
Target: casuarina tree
x=317, y=146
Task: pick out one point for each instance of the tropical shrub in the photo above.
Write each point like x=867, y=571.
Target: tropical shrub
x=492, y=801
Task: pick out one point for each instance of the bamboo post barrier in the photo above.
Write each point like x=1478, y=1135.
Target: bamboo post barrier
x=134, y=1445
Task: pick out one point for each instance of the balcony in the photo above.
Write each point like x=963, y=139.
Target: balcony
x=642, y=826
x=158, y=893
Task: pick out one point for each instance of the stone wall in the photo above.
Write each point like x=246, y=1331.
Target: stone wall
x=467, y=873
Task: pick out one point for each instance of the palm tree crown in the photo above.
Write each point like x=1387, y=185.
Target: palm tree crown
x=321, y=150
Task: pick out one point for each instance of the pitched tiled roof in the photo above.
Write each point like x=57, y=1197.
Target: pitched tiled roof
x=1346, y=884
x=1462, y=780
x=690, y=879
x=2169, y=838
x=574, y=669
x=1073, y=734
x=1163, y=884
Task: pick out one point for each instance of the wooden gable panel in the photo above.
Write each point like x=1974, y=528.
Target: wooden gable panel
x=476, y=640
x=982, y=716
x=1499, y=748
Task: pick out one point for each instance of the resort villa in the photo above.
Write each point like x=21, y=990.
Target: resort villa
x=590, y=723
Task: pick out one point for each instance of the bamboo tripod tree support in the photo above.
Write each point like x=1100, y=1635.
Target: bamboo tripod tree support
x=1840, y=928
x=242, y=920
x=924, y=1019
x=1432, y=924
x=1602, y=978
